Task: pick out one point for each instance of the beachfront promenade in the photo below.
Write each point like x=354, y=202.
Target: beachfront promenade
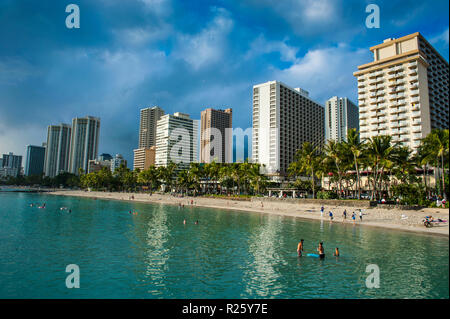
x=392, y=218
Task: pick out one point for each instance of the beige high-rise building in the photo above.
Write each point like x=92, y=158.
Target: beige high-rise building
x=144, y=155
x=144, y=158
x=404, y=91
x=221, y=120
x=283, y=119
x=147, y=126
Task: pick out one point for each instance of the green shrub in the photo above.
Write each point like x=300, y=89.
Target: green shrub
x=326, y=195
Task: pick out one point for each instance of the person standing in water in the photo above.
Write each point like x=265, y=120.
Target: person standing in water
x=321, y=211
x=336, y=252
x=321, y=251
x=331, y=215
x=360, y=215
x=300, y=248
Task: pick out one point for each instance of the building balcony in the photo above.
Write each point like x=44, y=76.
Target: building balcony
x=416, y=129
x=414, y=79
x=412, y=65
x=415, y=114
x=412, y=72
x=398, y=110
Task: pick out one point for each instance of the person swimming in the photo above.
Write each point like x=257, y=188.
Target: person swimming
x=300, y=248
x=321, y=251
x=336, y=252
x=196, y=222
x=184, y=222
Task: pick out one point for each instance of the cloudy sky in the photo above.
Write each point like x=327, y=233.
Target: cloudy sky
x=183, y=55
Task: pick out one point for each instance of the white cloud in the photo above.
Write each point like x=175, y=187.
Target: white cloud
x=263, y=46
x=325, y=72
x=14, y=70
x=208, y=45
x=318, y=10
x=442, y=37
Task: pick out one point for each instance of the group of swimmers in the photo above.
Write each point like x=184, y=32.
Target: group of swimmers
x=320, y=250
x=37, y=205
x=184, y=222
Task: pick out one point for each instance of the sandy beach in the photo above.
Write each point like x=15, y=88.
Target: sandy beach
x=396, y=219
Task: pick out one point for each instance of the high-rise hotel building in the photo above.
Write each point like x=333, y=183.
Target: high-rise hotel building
x=144, y=155
x=404, y=91
x=83, y=143
x=176, y=140
x=34, y=163
x=283, y=119
x=57, y=150
x=220, y=120
x=341, y=114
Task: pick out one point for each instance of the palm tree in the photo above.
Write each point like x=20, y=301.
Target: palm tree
x=257, y=180
x=424, y=157
x=379, y=150
x=335, y=151
x=166, y=174
x=148, y=177
x=196, y=174
x=225, y=176
x=356, y=148
x=437, y=142
x=307, y=159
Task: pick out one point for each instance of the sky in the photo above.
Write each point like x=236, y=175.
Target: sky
x=183, y=56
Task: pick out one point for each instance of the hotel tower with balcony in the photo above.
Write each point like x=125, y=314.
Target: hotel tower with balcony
x=283, y=119
x=404, y=91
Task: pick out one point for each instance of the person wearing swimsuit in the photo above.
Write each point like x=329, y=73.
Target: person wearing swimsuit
x=300, y=248
x=321, y=251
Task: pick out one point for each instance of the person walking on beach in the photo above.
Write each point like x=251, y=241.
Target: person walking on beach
x=360, y=215
x=344, y=214
x=354, y=216
x=331, y=215
x=300, y=248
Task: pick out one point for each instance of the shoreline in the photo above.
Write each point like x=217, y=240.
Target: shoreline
x=375, y=217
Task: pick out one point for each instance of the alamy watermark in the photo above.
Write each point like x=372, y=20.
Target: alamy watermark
x=73, y=19
x=373, y=19
x=73, y=280
x=373, y=280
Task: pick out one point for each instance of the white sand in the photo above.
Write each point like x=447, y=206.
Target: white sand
x=379, y=217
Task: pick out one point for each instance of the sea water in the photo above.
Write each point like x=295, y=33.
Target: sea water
x=151, y=253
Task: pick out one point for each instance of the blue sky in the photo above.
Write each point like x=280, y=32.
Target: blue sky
x=183, y=56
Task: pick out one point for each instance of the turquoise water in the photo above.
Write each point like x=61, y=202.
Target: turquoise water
x=228, y=254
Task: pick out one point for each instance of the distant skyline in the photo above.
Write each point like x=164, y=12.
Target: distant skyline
x=183, y=56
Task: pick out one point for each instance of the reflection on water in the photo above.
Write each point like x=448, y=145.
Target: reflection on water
x=229, y=254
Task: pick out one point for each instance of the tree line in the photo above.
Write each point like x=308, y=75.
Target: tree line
x=391, y=169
